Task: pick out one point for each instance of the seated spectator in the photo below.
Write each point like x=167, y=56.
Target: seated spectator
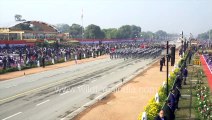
x=161, y=116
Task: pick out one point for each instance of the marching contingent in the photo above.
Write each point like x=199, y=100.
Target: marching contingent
x=135, y=53
x=16, y=56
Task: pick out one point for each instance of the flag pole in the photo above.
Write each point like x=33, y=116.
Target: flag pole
x=82, y=23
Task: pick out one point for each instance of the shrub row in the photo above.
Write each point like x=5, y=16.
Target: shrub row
x=152, y=108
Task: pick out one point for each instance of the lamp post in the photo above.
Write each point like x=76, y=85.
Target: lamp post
x=209, y=38
x=167, y=67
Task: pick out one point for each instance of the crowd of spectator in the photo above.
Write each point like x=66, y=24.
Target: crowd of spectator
x=39, y=56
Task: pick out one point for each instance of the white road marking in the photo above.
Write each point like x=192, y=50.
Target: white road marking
x=7, y=86
x=10, y=86
x=42, y=102
x=64, y=93
x=12, y=116
x=93, y=81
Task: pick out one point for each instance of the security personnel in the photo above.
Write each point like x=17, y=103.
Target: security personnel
x=169, y=113
x=177, y=96
x=164, y=60
x=161, y=65
x=185, y=75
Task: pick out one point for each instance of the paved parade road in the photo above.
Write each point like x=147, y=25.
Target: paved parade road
x=52, y=95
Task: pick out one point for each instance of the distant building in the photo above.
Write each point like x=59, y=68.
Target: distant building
x=28, y=30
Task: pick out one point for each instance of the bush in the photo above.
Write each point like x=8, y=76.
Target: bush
x=152, y=109
x=8, y=70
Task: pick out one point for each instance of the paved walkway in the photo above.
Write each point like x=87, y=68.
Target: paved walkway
x=130, y=100
x=50, y=67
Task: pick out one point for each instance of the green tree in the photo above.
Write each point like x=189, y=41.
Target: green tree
x=129, y=31
x=124, y=32
x=76, y=31
x=63, y=28
x=147, y=35
x=93, y=31
x=205, y=35
x=22, y=26
x=135, y=31
x=110, y=33
x=160, y=34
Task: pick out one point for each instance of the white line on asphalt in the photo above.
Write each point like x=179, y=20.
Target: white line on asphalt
x=64, y=93
x=10, y=86
x=80, y=109
x=42, y=102
x=12, y=116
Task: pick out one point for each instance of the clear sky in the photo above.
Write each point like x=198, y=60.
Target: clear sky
x=191, y=16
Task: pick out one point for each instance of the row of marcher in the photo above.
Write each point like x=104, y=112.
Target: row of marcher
x=127, y=53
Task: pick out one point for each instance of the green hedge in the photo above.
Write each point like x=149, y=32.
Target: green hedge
x=152, y=107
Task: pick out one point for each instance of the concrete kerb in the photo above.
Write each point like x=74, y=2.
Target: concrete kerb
x=103, y=95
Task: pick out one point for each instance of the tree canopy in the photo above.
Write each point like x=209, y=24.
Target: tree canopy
x=124, y=32
x=160, y=34
x=110, y=33
x=63, y=27
x=205, y=35
x=76, y=31
x=93, y=31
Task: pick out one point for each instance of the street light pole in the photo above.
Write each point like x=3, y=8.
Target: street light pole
x=209, y=38
x=82, y=23
x=167, y=67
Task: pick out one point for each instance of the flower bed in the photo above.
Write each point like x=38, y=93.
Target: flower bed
x=203, y=103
